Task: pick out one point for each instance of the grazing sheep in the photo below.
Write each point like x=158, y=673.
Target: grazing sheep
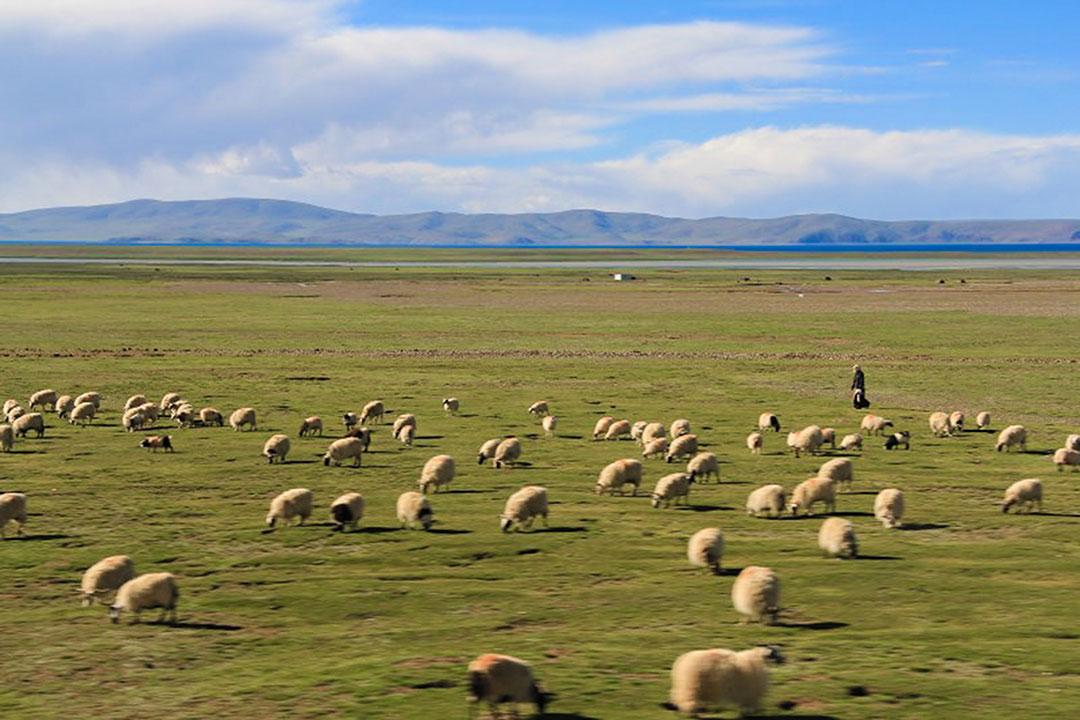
x=106, y=576
x=362, y=434
x=152, y=590
x=839, y=470
x=956, y=422
x=897, y=439
x=836, y=538
x=671, y=488
x=406, y=435
x=487, y=450
x=507, y=452
x=372, y=412
x=135, y=401
x=1010, y=436
x=637, y=429
x=702, y=465
x=241, y=417
x=653, y=431
x=874, y=425
x=768, y=499
x=133, y=419
x=277, y=448
x=438, y=471
x=617, y=430
x=828, y=435
x=33, y=421
x=549, y=423
x=889, y=507
x=814, y=490
x=807, y=440
x=351, y=420
x=210, y=416
x=343, y=449
x=617, y=474
x=184, y=415
x=756, y=595
x=1072, y=442
x=403, y=420
x=12, y=509
x=539, y=408
x=167, y=401
x=851, y=443
x=150, y=411
x=44, y=398
x=679, y=428
x=601, y=427
x=683, y=446
x=705, y=549
x=310, y=426
x=89, y=397
x=347, y=511
x=1066, y=456
x=498, y=679
x=703, y=680
x=153, y=442
x=7, y=438
x=10, y=403
x=15, y=413
x=64, y=405
x=523, y=507
x=982, y=420
x=939, y=424
x=413, y=507
x=450, y=405
x=1023, y=493
x=297, y=502
x=754, y=442
x=768, y=421
x=655, y=448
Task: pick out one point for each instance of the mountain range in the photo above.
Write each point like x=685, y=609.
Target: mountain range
x=247, y=220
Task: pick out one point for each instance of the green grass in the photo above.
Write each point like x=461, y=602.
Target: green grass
x=971, y=614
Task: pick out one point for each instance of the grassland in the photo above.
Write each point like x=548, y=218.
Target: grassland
x=968, y=613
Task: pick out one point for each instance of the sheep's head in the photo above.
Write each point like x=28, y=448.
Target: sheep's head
x=114, y=613
x=771, y=653
x=505, y=523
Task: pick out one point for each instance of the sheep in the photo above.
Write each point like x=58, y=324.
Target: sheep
x=44, y=398
x=617, y=430
x=497, y=679
x=184, y=415
x=133, y=420
x=276, y=447
x=523, y=507
x=89, y=397
x=839, y=470
x=755, y=595
x=539, y=408
x=403, y=420
x=836, y=538
x=241, y=417
x=1072, y=442
x=671, y=488
x=703, y=680
x=10, y=403
x=768, y=421
x=1066, y=456
x=507, y=452
x=437, y=472
x=814, y=490
x=679, y=428
x=450, y=405
x=705, y=549
x=413, y=507
x=982, y=420
x=487, y=450
x=106, y=576
x=297, y=502
x=7, y=438
x=12, y=509
x=637, y=429
x=601, y=427
x=152, y=590
x=852, y=442
x=64, y=405
x=362, y=434
x=549, y=423
x=135, y=401
x=347, y=511
x=372, y=412
x=153, y=442
x=655, y=448
x=889, y=507
x=768, y=499
x=167, y=401
x=897, y=439
x=653, y=431
x=807, y=440
x=1012, y=435
x=939, y=424
x=1027, y=493
x=956, y=422
x=874, y=425
x=351, y=420
x=33, y=421
x=754, y=442
x=14, y=413
x=682, y=446
x=702, y=465
x=828, y=435
x=211, y=416
x=618, y=474
x=406, y=435
x=149, y=410
x=343, y=449
x=310, y=426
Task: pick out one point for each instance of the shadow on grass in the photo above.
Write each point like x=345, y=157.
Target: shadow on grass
x=1050, y=514
x=182, y=625
x=33, y=538
x=568, y=716
x=429, y=437
x=463, y=492
x=854, y=513
x=923, y=526
x=448, y=531
x=815, y=625
x=877, y=557
x=705, y=508
x=729, y=571
x=564, y=529
x=861, y=492
x=797, y=716
x=570, y=437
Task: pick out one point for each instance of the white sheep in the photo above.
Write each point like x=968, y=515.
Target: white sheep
x=812, y=491
x=956, y=421
x=347, y=511
x=679, y=428
x=437, y=472
x=1010, y=436
x=655, y=448
x=768, y=421
x=342, y=449
x=64, y=405
x=601, y=427
x=276, y=448
x=1066, y=456
x=31, y=421
x=413, y=507
x=507, y=452
x=705, y=549
x=167, y=401
x=702, y=465
x=1072, y=442
x=807, y=440
x=12, y=509
x=839, y=470
x=133, y=419
x=836, y=538
x=683, y=446
x=525, y=505
x=105, y=577
x=539, y=408
x=671, y=488
x=451, y=405
x=889, y=507
x=135, y=401
x=184, y=414
x=755, y=441
x=363, y=434
x=498, y=679
x=15, y=413
x=653, y=431
x=351, y=420
x=487, y=450
x=7, y=438
x=310, y=426
x=241, y=417
x=852, y=442
x=618, y=474
x=828, y=435
x=769, y=499
x=549, y=423
x=10, y=403
x=897, y=439
x=874, y=424
x=618, y=429
x=755, y=595
x=1027, y=493
x=90, y=397
x=152, y=590
x=298, y=502
x=44, y=398
x=637, y=429
x=403, y=420
x=372, y=412
x=703, y=680
x=211, y=416
x=982, y=420
x=939, y=424
x=406, y=434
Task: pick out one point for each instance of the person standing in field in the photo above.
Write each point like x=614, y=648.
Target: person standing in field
x=858, y=389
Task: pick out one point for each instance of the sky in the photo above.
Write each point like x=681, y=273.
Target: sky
x=892, y=109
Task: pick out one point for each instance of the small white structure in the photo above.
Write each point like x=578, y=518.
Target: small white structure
x=622, y=277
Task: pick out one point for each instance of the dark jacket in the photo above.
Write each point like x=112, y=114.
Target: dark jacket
x=859, y=381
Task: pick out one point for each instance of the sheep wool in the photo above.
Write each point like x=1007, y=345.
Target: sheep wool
x=403, y=420
x=83, y=412
x=637, y=429
x=703, y=465
x=756, y=595
x=897, y=439
x=451, y=405
x=812, y=491
x=956, y=421
x=347, y=511
x=618, y=429
x=167, y=401
x=487, y=450
x=10, y=403
x=704, y=680
x=64, y=405
x=106, y=576
x=32, y=421
x=290, y=504
x=808, y=440
x=653, y=431
x=671, y=488
x=549, y=423
x=135, y=401
x=601, y=427
x=89, y=397
x=498, y=679
x=705, y=549
x=768, y=421
x=1023, y=493
x=507, y=452
x=839, y=470
x=683, y=446
x=438, y=471
x=343, y=449
x=310, y=426
x=655, y=448
x=362, y=434
x=768, y=499
x=939, y=424
x=982, y=420
x=1072, y=442
x=836, y=538
x=874, y=425
x=12, y=510
x=276, y=448
x=133, y=420
x=539, y=408
x=1012, y=436
x=754, y=442
x=680, y=427
x=152, y=590
x=45, y=398
x=7, y=438
x=211, y=416
x=241, y=417
x=14, y=413
x=524, y=506
x=889, y=507
x=406, y=435
x=414, y=508
x=350, y=420
x=618, y=474
x=828, y=435
x=851, y=442
x=153, y=442
x=1066, y=456
x=372, y=412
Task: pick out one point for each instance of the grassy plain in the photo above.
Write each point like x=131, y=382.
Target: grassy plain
x=967, y=613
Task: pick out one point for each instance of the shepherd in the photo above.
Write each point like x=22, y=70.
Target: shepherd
x=858, y=389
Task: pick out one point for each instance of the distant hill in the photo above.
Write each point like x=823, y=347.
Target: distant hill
x=245, y=220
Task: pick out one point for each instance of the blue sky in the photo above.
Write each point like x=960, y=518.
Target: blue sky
x=880, y=109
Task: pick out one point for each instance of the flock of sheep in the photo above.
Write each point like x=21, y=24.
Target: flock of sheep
x=701, y=679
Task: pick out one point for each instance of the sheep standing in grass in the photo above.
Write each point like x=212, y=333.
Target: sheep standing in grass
x=549, y=423
x=828, y=435
x=184, y=415
x=756, y=595
x=64, y=405
x=295, y=503
x=45, y=398
x=167, y=401
x=683, y=446
x=851, y=443
x=836, y=538
x=539, y=408
x=211, y=416
x=133, y=420
x=618, y=474
x=889, y=507
x=403, y=420
x=89, y=397
x=12, y=509
x=135, y=401
x=956, y=422
x=637, y=429
x=671, y=488
x=1023, y=493
x=755, y=441
x=601, y=427
x=767, y=499
x=508, y=452
x=310, y=426
x=527, y=504
x=15, y=413
x=438, y=471
x=153, y=590
x=372, y=412
x=1072, y=442
x=341, y=450
x=874, y=425
x=414, y=508
x=705, y=549
x=1066, y=456
x=487, y=450
x=680, y=427
x=897, y=439
x=22, y=425
x=7, y=438
x=808, y=440
x=347, y=511
x=351, y=420
x=241, y=417
x=498, y=679
x=939, y=424
x=839, y=470
x=768, y=421
x=653, y=431
x=406, y=435
x=450, y=405
x=655, y=448
x=106, y=576
x=812, y=491
x=362, y=434
x=1014, y=435
x=153, y=442
x=618, y=429
x=703, y=680
x=10, y=403
x=277, y=448
x=702, y=465
x=982, y=420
